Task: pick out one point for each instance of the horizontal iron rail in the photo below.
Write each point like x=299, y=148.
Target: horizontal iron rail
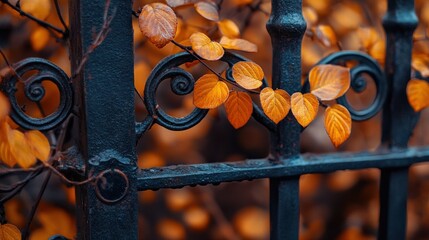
x=178, y=176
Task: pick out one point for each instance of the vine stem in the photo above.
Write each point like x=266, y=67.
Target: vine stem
x=209, y=68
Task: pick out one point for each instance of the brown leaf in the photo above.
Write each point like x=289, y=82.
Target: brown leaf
x=158, y=22
x=418, y=94
x=9, y=232
x=249, y=75
x=275, y=103
x=209, y=92
x=329, y=82
x=208, y=10
x=228, y=28
x=205, y=47
x=238, y=108
x=338, y=124
x=238, y=44
x=304, y=107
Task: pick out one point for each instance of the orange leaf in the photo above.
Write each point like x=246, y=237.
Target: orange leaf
x=310, y=16
x=248, y=74
x=238, y=108
x=326, y=35
x=20, y=149
x=5, y=153
x=228, y=28
x=238, y=44
x=328, y=82
x=158, y=22
x=276, y=104
x=205, y=48
x=9, y=232
x=179, y=3
x=304, y=107
x=338, y=124
x=418, y=94
x=4, y=106
x=209, y=92
x=38, y=8
x=39, y=144
x=208, y=10
x=420, y=63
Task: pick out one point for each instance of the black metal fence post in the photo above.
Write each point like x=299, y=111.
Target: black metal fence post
x=286, y=27
x=106, y=209
x=399, y=118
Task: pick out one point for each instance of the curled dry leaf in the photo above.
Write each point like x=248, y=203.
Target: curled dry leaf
x=39, y=144
x=338, y=124
x=238, y=44
x=208, y=10
x=326, y=35
x=209, y=92
x=275, y=103
x=249, y=75
x=418, y=94
x=238, y=108
x=9, y=232
x=228, y=28
x=205, y=47
x=304, y=107
x=4, y=106
x=329, y=82
x=158, y=22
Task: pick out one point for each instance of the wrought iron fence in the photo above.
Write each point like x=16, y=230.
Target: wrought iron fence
x=103, y=100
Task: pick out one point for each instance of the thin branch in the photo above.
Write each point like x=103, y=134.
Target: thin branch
x=65, y=179
x=209, y=68
x=21, y=186
x=60, y=16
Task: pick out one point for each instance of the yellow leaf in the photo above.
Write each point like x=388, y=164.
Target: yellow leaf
x=328, y=82
x=208, y=10
x=209, y=92
x=418, y=94
x=158, y=22
x=20, y=149
x=39, y=144
x=4, y=106
x=228, y=28
x=205, y=48
x=249, y=75
x=238, y=44
x=304, y=107
x=238, y=108
x=326, y=35
x=38, y=8
x=276, y=104
x=338, y=124
x=9, y=232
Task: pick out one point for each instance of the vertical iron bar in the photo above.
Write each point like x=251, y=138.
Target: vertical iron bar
x=399, y=118
x=286, y=27
x=105, y=130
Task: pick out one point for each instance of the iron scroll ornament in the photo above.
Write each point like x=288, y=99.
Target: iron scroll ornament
x=35, y=91
x=182, y=83
x=365, y=65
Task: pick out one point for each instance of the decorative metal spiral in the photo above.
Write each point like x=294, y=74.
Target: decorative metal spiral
x=34, y=91
x=182, y=83
x=366, y=65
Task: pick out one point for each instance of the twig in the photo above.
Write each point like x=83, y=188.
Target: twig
x=105, y=29
x=209, y=68
x=42, y=23
x=60, y=16
x=21, y=186
x=35, y=206
x=75, y=183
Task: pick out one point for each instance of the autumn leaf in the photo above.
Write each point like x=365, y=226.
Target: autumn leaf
x=20, y=150
x=275, y=103
x=158, y=22
x=5, y=153
x=228, y=28
x=238, y=44
x=208, y=10
x=179, y=3
x=326, y=35
x=420, y=63
x=9, y=232
x=209, y=92
x=304, y=107
x=205, y=47
x=418, y=94
x=310, y=16
x=238, y=108
x=39, y=144
x=37, y=8
x=4, y=106
x=329, y=82
x=249, y=75
x=338, y=124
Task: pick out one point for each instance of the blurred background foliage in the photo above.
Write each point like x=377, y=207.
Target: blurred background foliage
x=342, y=205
